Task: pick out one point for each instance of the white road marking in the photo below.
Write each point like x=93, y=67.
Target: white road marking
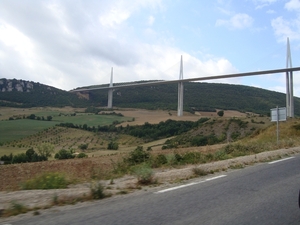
x=190, y=184
x=280, y=160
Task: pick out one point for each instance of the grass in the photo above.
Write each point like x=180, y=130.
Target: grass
x=16, y=129
x=90, y=119
x=46, y=181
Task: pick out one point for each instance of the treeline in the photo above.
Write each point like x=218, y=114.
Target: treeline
x=31, y=117
x=42, y=154
x=148, y=132
x=29, y=156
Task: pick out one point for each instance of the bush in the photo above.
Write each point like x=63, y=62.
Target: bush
x=20, y=158
x=161, y=159
x=7, y=158
x=220, y=113
x=144, y=174
x=83, y=146
x=64, y=154
x=139, y=155
x=199, y=172
x=46, y=181
x=113, y=145
x=82, y=155
x=97, y=191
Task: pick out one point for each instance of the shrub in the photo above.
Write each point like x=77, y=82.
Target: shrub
x=83, y=146
x=46, y=181
x=97, y=191
x=64, y=154
x=20, y=158
x=139, y=155
x=113, y=145
x=144, y=174
x=15, y=209
x=7, y=158
x=199, y=172
x=220, y=113
x=82, y=155
x=161, y=159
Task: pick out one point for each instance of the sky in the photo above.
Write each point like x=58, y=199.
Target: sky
x=75, y=43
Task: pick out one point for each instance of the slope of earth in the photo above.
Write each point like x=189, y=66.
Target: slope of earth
x=165, y=178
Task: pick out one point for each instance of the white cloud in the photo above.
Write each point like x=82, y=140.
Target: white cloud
x=238, y=21
x=270, y=11
x=293, y=5
x=151, y=20
x=284, y=28
x=263, y=3
x=71, y=45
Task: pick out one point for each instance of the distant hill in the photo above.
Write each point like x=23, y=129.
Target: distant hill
x=197, y=97
x=20, y=93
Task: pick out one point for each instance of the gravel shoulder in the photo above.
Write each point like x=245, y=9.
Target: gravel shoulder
x=164, y=177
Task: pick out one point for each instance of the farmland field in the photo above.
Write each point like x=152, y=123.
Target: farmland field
x=16, y=129
x=19, y=128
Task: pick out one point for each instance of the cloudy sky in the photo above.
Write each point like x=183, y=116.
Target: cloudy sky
x=75, y=43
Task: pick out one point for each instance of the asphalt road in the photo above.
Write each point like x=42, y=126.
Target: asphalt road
x=262, y=194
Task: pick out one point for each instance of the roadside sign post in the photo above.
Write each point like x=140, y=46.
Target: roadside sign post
x=278, y=114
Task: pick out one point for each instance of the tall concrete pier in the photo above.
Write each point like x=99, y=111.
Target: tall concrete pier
x=289, y=83
x=110, y=91
x=180, y=91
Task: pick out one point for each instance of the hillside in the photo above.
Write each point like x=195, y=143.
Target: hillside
x=25, y=94
x=197, y=97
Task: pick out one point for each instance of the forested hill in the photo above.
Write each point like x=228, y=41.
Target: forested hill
x=20, y=93
x=197, y=96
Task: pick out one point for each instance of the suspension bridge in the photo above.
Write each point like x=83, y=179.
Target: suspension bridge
x=288, y=71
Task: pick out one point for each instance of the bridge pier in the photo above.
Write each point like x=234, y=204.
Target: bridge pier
x=289, y=83
x=110, y=91
x=180, y=91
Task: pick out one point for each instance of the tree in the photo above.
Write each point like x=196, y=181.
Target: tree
x=220, y=113
x=49, y=118
x=20, y=158
x=83, y=146
x=112, y=145
x=45, y=150
x=64, y=154
x=30, y=153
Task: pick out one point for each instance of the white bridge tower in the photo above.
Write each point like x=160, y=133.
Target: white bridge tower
x=289, y=83
x=110, y=91
x=180, y=91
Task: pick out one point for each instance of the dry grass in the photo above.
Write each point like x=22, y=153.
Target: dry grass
x=76, y=170
x=100, y=164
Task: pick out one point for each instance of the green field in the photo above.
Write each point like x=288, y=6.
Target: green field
x=90, y=119
x=16, y=129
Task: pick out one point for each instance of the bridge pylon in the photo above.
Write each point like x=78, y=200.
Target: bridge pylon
x=180, y=91
x=289, y=83
x=110, y=91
